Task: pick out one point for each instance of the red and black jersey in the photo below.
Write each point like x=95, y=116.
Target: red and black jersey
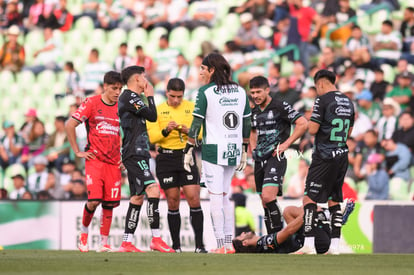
x=102, y=125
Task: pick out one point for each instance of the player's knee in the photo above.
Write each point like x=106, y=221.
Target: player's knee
x=173, y=203
x=137, y=200
x=153, y=191
x=268, y=197
x=109, y=205
x=92, y=205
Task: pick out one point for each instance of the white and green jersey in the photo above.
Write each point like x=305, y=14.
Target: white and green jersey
x=223, y=112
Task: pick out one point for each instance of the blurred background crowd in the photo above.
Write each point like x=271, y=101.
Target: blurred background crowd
x=54, y=53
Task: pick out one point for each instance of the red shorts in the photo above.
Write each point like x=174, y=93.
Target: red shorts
x=103, y=181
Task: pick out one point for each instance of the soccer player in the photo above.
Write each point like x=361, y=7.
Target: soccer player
x=291, y=238
x=331, y=122
x=223, y=109
x=133, y=113
x=271, y=125
x=170, y=132
x=102, y=156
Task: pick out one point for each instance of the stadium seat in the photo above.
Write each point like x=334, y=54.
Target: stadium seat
x=6, y=78
x=85, y=25
x=26, y=78
x=46, y=79
x=286, y=66
x=97, y=38
x=109, y=52
x=371, y=24
x=155, y=34
x=201, y=34
x=265, y=31
x=179, y=38
x=399, y=189
x=389, y=73
x=117, y=36
x=137, y=36
x=191, y=50
x=232, y=22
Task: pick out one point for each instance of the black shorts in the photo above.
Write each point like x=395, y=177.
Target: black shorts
x=170, y=169
x=139, y=174
x=325, y=178
x=270, y=173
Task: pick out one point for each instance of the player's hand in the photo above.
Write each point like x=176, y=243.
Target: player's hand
x=172, y=125
x=86, y=155
x=148, y=88
x=188, y=157
x=243, y=161
x=280, y=148
x=182, y=129
x=121, y=166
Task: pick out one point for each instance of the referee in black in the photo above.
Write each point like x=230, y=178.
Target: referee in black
x=170, y=132
x=331, y=122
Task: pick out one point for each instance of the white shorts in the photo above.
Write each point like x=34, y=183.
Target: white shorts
x=217, y=178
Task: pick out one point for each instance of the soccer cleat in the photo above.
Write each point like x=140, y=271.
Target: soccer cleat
x=349, y=207
x=83, y=242
x=158, y=244
x=200, y=250
x=305, y=250
x=104, y=248
x=128, y=247
x=223, y=250
x=332, y=252
x=178, y=250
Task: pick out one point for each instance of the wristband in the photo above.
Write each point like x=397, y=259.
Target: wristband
x=165, y=132
x=245, y=146
x=188, y=146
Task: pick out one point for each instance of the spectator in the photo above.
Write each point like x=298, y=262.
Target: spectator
x=397, y=159
x=247, y=34
x=379, y=87
x=93, y=72
x=143, y=60
x=13, y=15
x=297, y=79
x=358, y=47
x=402, y=92
x=327, y=60
x=368, y=107
x=204, y=13
x=38, y=181
x=30, y=118
x=348, y=76
x=12, y=54
x=388, y=122
x=402, y=68
x=388, y=44
x=48, y=57
x=3, y=194
x=233, y=55
x=63, y=16
x=72, y=79
x=405, y=134
x=335, y=18
x=407, y=29
x=364, y=149
x=285, y=93
x=123, y=59
x=27, y=196
x=176, y=12
x=262, y=10
x=36, y=143
x=286, y=32
x=19, y=187
x=165, y=59
x=154, y=14
x=11, y=145
x=89, y=8
x=377, y=177
x=110, y=14
x=182, y=69
x=362, y=124
x=56, y=150
x=78, y=191
x=194, y=80
x=38, y=9
x=296, y=185
x=274, y=77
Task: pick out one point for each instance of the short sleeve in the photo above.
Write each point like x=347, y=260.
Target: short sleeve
x=200, y=107
x=84, y=111
x=287, y=112
x=247, y=111
x=318, y=111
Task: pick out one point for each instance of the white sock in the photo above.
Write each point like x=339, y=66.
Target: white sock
x=128, y=237
x=334, y=244
x=228, y=221
x=217, y=215
x=309, y=242
x=104, y=240
x=156, y=233
x=84, y=229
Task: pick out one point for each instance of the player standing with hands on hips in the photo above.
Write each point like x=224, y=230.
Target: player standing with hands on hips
x=331, y=122
x=170, y=133
x=222, y=108
x=133, y=113
x=102, y=156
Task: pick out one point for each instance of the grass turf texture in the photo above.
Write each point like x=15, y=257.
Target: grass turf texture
x=74, y=262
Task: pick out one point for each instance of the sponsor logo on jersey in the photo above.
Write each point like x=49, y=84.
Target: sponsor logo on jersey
x=342, y=111
x=168, y=180
x=147, y=173
x=292, y=115
x=118, y=183
x=341, y=99
x=226, y=90
x=165, y=113
x=89, y=180
x=314, y=184
x=190, y=177
x=232, y=151
x=224, y=101
x=104, y=127
x=272, y=171
x=270, y=115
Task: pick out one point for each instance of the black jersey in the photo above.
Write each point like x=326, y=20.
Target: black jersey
x=133, y=113
x=335, y=113
x=273, y=125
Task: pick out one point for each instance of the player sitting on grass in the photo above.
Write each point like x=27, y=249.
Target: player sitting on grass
x=290, y=238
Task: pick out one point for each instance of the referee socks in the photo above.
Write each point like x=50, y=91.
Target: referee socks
x=174, y=223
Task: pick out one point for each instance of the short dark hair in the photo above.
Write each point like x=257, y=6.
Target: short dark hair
x=60, y=118
x=388, y=22
x=123, y=44
x=259, y=82
x=165, y=37
x=138, y=47
x=232, y=45
x=378, y=70
x=372, y=131
x=330, y=76
x=130, y=71
x=95, y=51
x=176, y=84
x=70, y=65
x=112, y=77
x=411, y=9
x=355, y=27
x=359, y=80
x=240, y=248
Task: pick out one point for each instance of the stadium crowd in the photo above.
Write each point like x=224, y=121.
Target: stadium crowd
x=375, y=69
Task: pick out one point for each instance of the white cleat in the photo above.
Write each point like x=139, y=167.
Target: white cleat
x=332, y=252
x=305, y=250
x=83, y=242
x=104, y=248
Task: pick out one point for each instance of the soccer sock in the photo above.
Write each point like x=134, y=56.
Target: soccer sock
x=228, y=221
x=197, y=222
x=131, y=222
x=336, y=224
x=106, y=220
x=217, y=217
x=266, y=219
x=309, y=222
x=275, y=216
x=154, y=216
x=174, y=223
x=86, y=219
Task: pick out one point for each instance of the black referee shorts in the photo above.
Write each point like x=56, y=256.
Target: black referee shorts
x=139, y=174
x=270, y=173
x=325, y=178
x=170, y=169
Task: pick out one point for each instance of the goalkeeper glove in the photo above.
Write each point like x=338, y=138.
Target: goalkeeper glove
x=188, y=156
x=243, y=160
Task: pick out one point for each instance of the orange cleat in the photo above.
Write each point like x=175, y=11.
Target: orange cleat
x=83, y=242
x=158, y=244
x=128, y=247
x=223, y=250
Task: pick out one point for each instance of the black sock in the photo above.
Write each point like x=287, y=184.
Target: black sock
x=275, y=216
x=174, y=223
x=197, y=222
x=153, y=213
x=336, y=220
x=309, y=218
x=267, y=221
x=132, y=218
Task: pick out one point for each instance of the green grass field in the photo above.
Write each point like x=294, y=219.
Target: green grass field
x=74, y=262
